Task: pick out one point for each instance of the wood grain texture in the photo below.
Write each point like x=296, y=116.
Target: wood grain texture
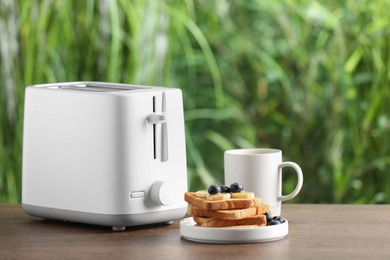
x=315, y=232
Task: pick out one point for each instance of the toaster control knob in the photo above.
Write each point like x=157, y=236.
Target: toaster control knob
x=163, y=193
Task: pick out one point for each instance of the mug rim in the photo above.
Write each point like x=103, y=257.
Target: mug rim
x=253, y=151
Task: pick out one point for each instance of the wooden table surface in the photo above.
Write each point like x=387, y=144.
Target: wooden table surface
x=315, y=232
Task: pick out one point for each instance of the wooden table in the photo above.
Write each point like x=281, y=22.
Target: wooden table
x=315, y=232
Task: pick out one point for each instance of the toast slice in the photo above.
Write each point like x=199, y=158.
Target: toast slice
x=257, y=220
x=203, y=203
x=228, y=214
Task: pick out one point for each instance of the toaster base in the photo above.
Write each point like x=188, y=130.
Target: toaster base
x=118, y=222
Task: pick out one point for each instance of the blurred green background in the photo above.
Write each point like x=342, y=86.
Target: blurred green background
x=308, y=77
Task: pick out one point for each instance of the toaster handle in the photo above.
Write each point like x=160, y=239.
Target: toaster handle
x=164, y=142
x=164, y=132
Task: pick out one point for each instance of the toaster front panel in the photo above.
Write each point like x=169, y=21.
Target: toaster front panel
x=156, y=163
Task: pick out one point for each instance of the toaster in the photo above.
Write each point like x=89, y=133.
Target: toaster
x=104, y=153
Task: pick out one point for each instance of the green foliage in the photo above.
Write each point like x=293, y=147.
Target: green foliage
x=308, y=77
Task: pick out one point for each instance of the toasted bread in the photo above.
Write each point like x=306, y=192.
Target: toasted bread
x=203, y=203
x=258, y=220
x=228, y=214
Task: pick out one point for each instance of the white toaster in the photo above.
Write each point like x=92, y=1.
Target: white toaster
x=104, y=153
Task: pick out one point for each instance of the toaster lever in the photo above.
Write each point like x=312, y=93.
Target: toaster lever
x=157, y=118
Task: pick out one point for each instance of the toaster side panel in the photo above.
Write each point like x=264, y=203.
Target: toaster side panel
x=71, y=151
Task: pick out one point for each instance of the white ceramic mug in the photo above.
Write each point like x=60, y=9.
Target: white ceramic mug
x=260, y=171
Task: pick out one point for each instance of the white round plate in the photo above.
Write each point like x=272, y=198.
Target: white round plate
x=190, y=231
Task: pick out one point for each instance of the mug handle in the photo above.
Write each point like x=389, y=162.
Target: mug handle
x=298, y=171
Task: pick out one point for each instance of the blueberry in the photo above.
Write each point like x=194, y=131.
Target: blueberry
x=274, y=222
x=279, y=218
x=236, y=187
x=225, y=189
x=268, y=216
x=214, y=189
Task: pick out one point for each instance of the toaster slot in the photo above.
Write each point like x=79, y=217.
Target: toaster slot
x=160, y=132
x=96, y=87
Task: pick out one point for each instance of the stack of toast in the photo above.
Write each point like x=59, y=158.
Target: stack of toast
x=230, y=212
